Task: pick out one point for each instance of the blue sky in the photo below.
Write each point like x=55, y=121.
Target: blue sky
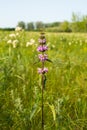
x=13, y=11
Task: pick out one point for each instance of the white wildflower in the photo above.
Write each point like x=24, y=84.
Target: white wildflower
x=17, y=34
x=29, y=44
x=9, y=41
x=32, y=41
x=12, y=35
x=14, y=43
x=18, y=28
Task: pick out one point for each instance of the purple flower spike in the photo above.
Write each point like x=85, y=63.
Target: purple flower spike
x=45, y=70
x=42, y=48
x=42, y=41
x=43, y=57
x=42, y=71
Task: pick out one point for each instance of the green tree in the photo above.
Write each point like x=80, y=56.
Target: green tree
x=22, y=25
x=84, y=19
x=65, y=27
x=30, y=26
x=55, y=24
x=79, y=23
x=40, y=25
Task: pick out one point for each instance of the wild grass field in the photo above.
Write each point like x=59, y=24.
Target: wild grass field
x=65, y=94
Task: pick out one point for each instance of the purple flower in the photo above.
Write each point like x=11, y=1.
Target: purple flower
x=42, y=41
x=42, y=48
x=43, y=57
x=42, y=71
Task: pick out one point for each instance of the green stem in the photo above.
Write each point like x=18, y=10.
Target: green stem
x=42, y=95
x=42, y=101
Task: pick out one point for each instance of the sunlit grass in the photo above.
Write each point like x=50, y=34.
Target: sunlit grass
x=65, y=96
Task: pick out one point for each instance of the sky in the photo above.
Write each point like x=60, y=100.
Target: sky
x=13, y=11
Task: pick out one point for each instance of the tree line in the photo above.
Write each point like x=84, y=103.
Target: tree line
x=78, y=24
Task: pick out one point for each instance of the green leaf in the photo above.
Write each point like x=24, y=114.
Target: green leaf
x=49, y=60
x=52, y=110
x=33, y=111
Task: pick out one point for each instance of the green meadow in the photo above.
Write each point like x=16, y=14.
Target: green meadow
x=65, y=92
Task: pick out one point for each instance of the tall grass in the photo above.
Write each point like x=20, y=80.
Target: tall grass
x=65, y=95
